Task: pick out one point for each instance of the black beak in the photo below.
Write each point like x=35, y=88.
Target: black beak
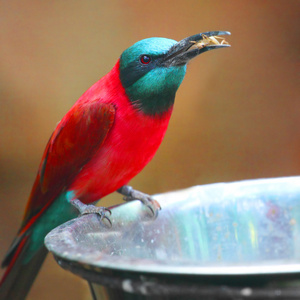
x=190, y=47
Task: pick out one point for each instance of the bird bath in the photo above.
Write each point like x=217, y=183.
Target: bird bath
x=238, y=240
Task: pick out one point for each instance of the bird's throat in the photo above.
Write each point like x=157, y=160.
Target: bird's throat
x=153, y=105
x=153, y=92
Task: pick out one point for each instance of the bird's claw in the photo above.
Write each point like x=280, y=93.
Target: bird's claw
x=147, y=200
x=100, y=211
x=92, y=209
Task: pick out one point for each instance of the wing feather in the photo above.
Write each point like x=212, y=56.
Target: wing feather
x=75, y=140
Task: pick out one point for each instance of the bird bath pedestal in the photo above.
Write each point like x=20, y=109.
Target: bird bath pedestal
x=237, y=240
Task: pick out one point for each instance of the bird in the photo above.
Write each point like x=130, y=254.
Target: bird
x=107, y=137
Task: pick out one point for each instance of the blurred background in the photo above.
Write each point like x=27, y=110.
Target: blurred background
x=236, y=116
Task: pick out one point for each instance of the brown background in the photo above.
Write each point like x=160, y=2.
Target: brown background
x=236, y=114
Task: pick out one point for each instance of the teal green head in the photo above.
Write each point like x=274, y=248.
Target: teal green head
x=152, y=70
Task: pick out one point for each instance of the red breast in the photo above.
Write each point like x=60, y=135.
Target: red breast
x=131, y=143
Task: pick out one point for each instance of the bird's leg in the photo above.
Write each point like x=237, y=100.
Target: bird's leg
x=131, y=194
x=91, y=209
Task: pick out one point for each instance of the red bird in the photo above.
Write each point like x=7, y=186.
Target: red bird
x=108, y=136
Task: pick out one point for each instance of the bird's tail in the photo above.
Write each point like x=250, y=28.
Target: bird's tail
x=20, y=271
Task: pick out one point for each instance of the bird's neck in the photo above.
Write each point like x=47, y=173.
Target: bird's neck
x=110, y=89
x=148, y=94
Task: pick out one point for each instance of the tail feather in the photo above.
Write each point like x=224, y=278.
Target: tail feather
x=15, y=248
x=19, y=276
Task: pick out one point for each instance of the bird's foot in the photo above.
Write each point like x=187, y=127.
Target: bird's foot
x=131, y=194
x=85, y=209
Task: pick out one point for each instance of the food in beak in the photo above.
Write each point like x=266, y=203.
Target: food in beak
x=209, y=41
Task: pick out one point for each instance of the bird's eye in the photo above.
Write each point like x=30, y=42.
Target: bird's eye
x=145, y=59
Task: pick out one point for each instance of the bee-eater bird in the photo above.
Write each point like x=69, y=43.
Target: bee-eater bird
x=107, y=137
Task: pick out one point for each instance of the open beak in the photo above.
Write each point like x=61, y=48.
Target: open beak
x=190, y=47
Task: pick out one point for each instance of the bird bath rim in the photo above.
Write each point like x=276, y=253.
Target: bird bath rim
x=63, y=245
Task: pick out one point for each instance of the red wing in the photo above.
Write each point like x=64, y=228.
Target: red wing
x=75, y=140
